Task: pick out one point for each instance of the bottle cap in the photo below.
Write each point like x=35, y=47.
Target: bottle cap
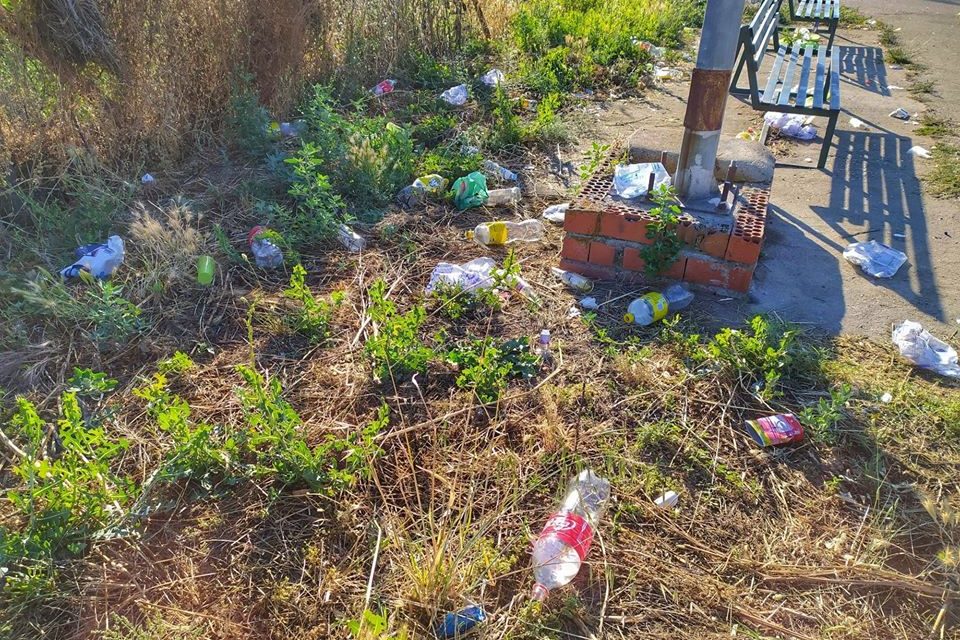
x=628, y=318
x=539, y=593
x=468, y=234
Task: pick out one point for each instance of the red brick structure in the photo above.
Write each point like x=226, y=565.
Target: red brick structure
x=604, y=238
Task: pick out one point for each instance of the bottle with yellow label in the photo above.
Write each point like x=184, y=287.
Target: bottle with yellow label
x=495, y=233
x=654, y=306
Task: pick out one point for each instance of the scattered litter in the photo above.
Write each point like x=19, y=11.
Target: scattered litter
x=900, y=114
x=292, y=129
x=206, y=267
x=872, y=23
x=792, y=125
x=476, y=274
x=147, y=179
x=99, y=260
x=750, y=134
x=667, y=500
x=493, y=77
x=586, y=94
x=655, y=306
x=875, y=258
x=456, y=96
x=926, y=350
x=542, y=346
x=632, y=180
x=590, y=304
x=415, y=193
x=266, y=254
x=893, y=87
x=573, y=312
x=808, y=159
x=920, y=152
x=652, y=49
x=501, y=172
x=773, y=430
x=470, y=191
x=886, y=398
x=857, y=123
x=897, y=67
x=573, y=280
x=385, y=86
x=499, y=232
x=556, y=213
x=350, y=239
x=456, y=624
x=668, y=73
x=503, y=197
x=566, y=538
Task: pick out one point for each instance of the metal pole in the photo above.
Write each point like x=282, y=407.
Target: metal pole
x=708, y=96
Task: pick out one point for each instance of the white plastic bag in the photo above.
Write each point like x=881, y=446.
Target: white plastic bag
x=99, y=260
x=493, y=77
x=632, y=180
x=920, y=152
x=556, y=213
x=792, y=125
x=476, y=274
x=456, y=96
x=925, y=350
x=876, y=259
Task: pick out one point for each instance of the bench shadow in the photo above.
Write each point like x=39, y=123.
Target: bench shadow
x=863, y=67
x=874, y=185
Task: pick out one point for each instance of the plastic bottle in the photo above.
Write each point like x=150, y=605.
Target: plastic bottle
x=498, y=197
x=655, y=306
x=499, y=171
x=350, y=239
x=573, y=280
x=266, y=254
x=565, y=540
x=542, y=346
x=496, y=233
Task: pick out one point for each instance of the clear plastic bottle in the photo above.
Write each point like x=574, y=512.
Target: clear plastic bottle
x=500, y=171
x=542, y=345
x=496, y=233
x=573, y=280
x=266, y=254
x=655, y=306
x=565, y=540
x=497, y=197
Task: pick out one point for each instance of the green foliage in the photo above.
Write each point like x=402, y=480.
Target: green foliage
x=486, y=366
x=449, y=161
x=506, y=127
x=758, y=357
x=595, y=157
x=662, y=232
x=315, y=217
x=454, y=302
x=373, y=626
x=934, y=125
x=434, y=128
x=247, y=121
x=67, y=491
x=223, y=243
x=944, y=179
x=821, y=421
x=313, y=316
x=87, y=383
x=97, y=308
x=179, y=362
x=395, y=349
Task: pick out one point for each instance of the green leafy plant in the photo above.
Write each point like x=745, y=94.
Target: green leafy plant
x=313, y=316
x=453, y=302
x=662, y=232
x=822, y=420
x=507, y=128
x=316, y=215
x=758, y=357
x=595, y=157
x=248, y=123
x=486, y=366
x=179, y=362
x=395, y=348
x=90, y=384
x=373, y=626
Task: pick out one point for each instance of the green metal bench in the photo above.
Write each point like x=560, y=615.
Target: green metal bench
x=802, y=79
x=818, y=12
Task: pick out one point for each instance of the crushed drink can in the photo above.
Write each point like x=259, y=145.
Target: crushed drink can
x=770, y=431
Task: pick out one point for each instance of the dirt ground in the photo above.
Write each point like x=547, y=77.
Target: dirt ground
x=871, y=188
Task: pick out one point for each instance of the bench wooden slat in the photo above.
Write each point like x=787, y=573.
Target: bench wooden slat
x=787, y=89
x=804, y=89
x=769, y=24
x=810, y=7
x=821, y=76
x=835, y=80
x=771, y=88
x=836, y=10
x=818, y=10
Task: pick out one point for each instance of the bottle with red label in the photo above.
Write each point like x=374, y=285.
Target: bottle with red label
x=565, y=540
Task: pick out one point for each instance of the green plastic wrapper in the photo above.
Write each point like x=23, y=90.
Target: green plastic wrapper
x=470, y=191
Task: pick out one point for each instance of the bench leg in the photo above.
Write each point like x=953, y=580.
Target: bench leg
x=827, y=140
x=736, y=76
x=833, y=35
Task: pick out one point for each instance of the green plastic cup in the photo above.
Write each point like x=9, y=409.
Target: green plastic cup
x=206, y=267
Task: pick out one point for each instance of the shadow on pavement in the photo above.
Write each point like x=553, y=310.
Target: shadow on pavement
x=874, y=185
x=863, y=67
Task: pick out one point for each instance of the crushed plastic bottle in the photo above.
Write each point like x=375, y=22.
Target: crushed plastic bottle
x=565, y=540
x=499, y=171
x=497, y=233
x=457, y=96
x=350, y=239
x=573, y=280
x=542, y=345
x=266, y=254
x=502, y=197
x=493, y=77
x=556, y=213
x=99, y=260
x=655, y=306
x=460, y=623
x=384, y=87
